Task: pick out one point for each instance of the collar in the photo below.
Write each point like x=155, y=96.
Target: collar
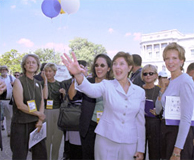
x=119, y=88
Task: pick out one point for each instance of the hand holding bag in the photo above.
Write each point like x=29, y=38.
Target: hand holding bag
x=69, y=115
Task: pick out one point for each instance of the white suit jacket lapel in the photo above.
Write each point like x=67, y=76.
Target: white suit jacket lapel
x=131, y=90
x=120, y=89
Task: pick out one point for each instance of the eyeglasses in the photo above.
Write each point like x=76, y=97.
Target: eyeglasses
x=150, y=73
x=16, y=75
x=101, y=65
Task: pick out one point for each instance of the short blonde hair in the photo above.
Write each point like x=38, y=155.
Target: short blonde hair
x=24, y=62
x=53, y=66
x=177, y=47
x=152, y=67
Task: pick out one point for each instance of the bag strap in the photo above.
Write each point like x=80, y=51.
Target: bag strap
x=63, y=98
x=11, y=79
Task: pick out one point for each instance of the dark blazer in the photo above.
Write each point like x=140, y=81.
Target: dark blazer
x=87, y=109
x=38, y=77
x=136, y=78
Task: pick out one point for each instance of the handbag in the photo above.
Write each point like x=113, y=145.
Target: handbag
x=69, y=116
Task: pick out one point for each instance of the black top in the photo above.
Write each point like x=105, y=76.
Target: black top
x=32, y=90
x=152, y=93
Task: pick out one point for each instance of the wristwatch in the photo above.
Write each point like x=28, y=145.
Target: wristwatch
x=176, y=155
x=160, y=94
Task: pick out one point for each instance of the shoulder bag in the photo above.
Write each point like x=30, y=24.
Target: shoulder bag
x=69, y=116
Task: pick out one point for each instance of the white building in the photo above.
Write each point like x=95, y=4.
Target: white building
x=153, y=44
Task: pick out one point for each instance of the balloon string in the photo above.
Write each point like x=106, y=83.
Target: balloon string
x=67, y=24
x=63, y=28
x=66, y=28
x=52, y=35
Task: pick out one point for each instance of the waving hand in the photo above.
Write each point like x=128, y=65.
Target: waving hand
x=73, y=67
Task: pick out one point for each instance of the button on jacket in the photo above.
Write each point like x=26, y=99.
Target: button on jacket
x=123, y=117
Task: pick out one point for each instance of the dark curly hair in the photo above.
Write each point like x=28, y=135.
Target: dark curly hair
x=108, y=61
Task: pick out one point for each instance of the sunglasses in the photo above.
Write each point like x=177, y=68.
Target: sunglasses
x=101, y=65
x=16, y=75
x=150, y=73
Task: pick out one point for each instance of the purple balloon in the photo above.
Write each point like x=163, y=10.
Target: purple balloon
x=51, y=8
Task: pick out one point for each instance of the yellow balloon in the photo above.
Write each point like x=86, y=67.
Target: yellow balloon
x=62, y=11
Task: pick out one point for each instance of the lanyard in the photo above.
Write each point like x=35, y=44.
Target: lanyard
x=52, y=90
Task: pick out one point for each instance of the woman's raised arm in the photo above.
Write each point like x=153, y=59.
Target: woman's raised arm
x=73, y=67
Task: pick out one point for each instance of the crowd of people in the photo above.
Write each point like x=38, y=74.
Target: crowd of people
x=123, y=108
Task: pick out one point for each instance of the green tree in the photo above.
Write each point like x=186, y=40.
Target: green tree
x=48, y=55
x=12, y=60
x=86, y=50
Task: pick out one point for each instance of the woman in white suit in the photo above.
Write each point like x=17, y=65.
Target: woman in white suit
x=121, y=129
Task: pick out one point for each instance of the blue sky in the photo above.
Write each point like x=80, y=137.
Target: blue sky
x=115, y=24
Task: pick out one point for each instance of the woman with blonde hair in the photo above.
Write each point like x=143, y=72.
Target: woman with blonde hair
x=56, y=92
x=28, y=111
x=176, y=140
x=149, y=75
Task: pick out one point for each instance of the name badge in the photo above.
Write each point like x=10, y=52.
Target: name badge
x=99, y=115
x=32, y=106
x=49, y=104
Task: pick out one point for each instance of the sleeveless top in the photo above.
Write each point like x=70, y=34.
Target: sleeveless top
x=32, y=90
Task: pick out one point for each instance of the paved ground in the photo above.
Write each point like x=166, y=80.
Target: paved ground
x=6, y=153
